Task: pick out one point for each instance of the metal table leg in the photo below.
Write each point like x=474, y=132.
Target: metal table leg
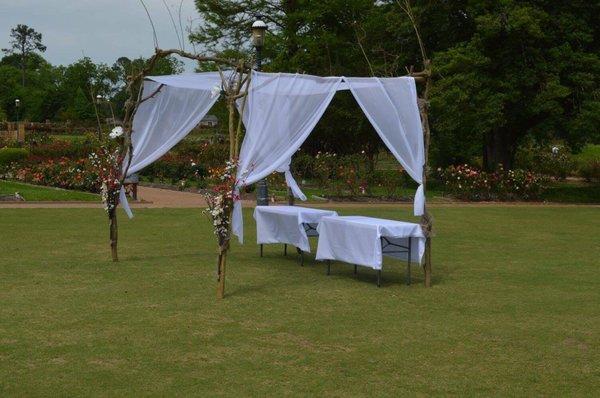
x=408, y=262
x=285, y=249
x=378, y=278
x=301, y=253
x=355, y=269
x=328, y=267
x=261, y=250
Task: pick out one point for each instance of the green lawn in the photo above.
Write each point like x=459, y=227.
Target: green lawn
x=514, y=310
x=42, y=193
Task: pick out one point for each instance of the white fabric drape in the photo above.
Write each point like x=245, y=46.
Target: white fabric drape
x=391, y=106
x=167, y=117
x=282, y=111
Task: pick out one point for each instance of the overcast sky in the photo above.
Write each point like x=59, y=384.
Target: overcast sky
x=103, y=30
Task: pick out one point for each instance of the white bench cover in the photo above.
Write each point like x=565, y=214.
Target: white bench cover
x=285, y=224
x=357, y=240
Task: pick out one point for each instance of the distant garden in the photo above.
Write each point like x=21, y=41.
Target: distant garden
x=64, y=161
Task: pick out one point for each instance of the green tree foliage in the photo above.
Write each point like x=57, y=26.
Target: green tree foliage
x=69, y=92
x=504, y=70
x=24, y=41
x=527, y=68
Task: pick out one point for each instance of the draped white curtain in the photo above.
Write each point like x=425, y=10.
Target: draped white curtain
x=391, y=106
x=165, y=119
x=282, y=110
x=168, y=116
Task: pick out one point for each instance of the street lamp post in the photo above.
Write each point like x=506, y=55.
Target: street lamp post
x=17, y=106
x=259, y=29
x=96, y=106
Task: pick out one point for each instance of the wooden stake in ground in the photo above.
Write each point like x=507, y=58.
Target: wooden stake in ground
x=114, y=234
x=423, y=77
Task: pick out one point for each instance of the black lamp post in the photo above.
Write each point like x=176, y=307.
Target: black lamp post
x=17, y=107
x=259, y=29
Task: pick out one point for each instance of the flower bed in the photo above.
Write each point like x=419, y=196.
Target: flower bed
x=468, y=183
x=61, y=173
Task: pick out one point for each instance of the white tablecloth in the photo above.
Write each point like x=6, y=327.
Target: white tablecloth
x=285, y=224
x=357, y=240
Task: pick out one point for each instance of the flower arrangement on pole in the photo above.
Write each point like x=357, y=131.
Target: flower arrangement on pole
x=107, y=163
x=220, y=200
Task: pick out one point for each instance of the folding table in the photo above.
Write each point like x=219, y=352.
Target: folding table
x=365, y=240
x=288, y=225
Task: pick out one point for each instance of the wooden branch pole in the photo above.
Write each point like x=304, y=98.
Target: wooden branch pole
x=222, y=262
x=426, y=221
x=114, y=234
x=233, y=88
x=423, y=77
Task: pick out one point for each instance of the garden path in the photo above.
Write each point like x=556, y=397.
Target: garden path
x=166, y=198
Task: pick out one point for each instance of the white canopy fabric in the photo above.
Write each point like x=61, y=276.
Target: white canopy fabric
x=289, y=107
x=283, y=109
x=164, y=119
x=391, y=106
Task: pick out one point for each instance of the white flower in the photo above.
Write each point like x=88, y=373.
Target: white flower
x=116, y=132
x=555, y=150
x=215, y=91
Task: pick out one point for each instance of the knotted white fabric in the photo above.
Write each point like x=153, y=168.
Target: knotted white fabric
x=282, y=111
x=391, y=106
x=173, y=106
x=290, y=181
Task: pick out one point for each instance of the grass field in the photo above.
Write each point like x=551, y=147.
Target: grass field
x=41, y=193
x=514, y=310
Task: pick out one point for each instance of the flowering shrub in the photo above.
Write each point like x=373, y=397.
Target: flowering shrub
x=339, y=175
x=550, y=160
x=107, y=163
x=590, y=170
x=60, y=149
x=176, y=170
x=391, y=181
x=468, y=183
x=61, y=173
x=220, y=200
x=187, y=164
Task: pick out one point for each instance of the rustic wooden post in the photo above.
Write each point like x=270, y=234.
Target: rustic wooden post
x=426, y=222
x=114, y=234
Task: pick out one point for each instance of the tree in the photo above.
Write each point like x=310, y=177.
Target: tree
x=524, y=69
x=24, y=42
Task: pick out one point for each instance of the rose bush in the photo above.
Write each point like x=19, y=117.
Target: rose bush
x=468, y=183
x=61, y=173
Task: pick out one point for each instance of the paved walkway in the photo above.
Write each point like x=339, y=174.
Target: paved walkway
x=167, y=198
x=149, y=198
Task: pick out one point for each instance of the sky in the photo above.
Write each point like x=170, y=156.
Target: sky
x=103, y=30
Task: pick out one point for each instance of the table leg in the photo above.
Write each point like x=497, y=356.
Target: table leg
x=355, y=269
x=301, y=253
x=328, y=267
x=285, y=249
x=378, y=278
x=261, y=250
x=408, y=281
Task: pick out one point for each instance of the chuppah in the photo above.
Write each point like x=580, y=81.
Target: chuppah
x=279, y=111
